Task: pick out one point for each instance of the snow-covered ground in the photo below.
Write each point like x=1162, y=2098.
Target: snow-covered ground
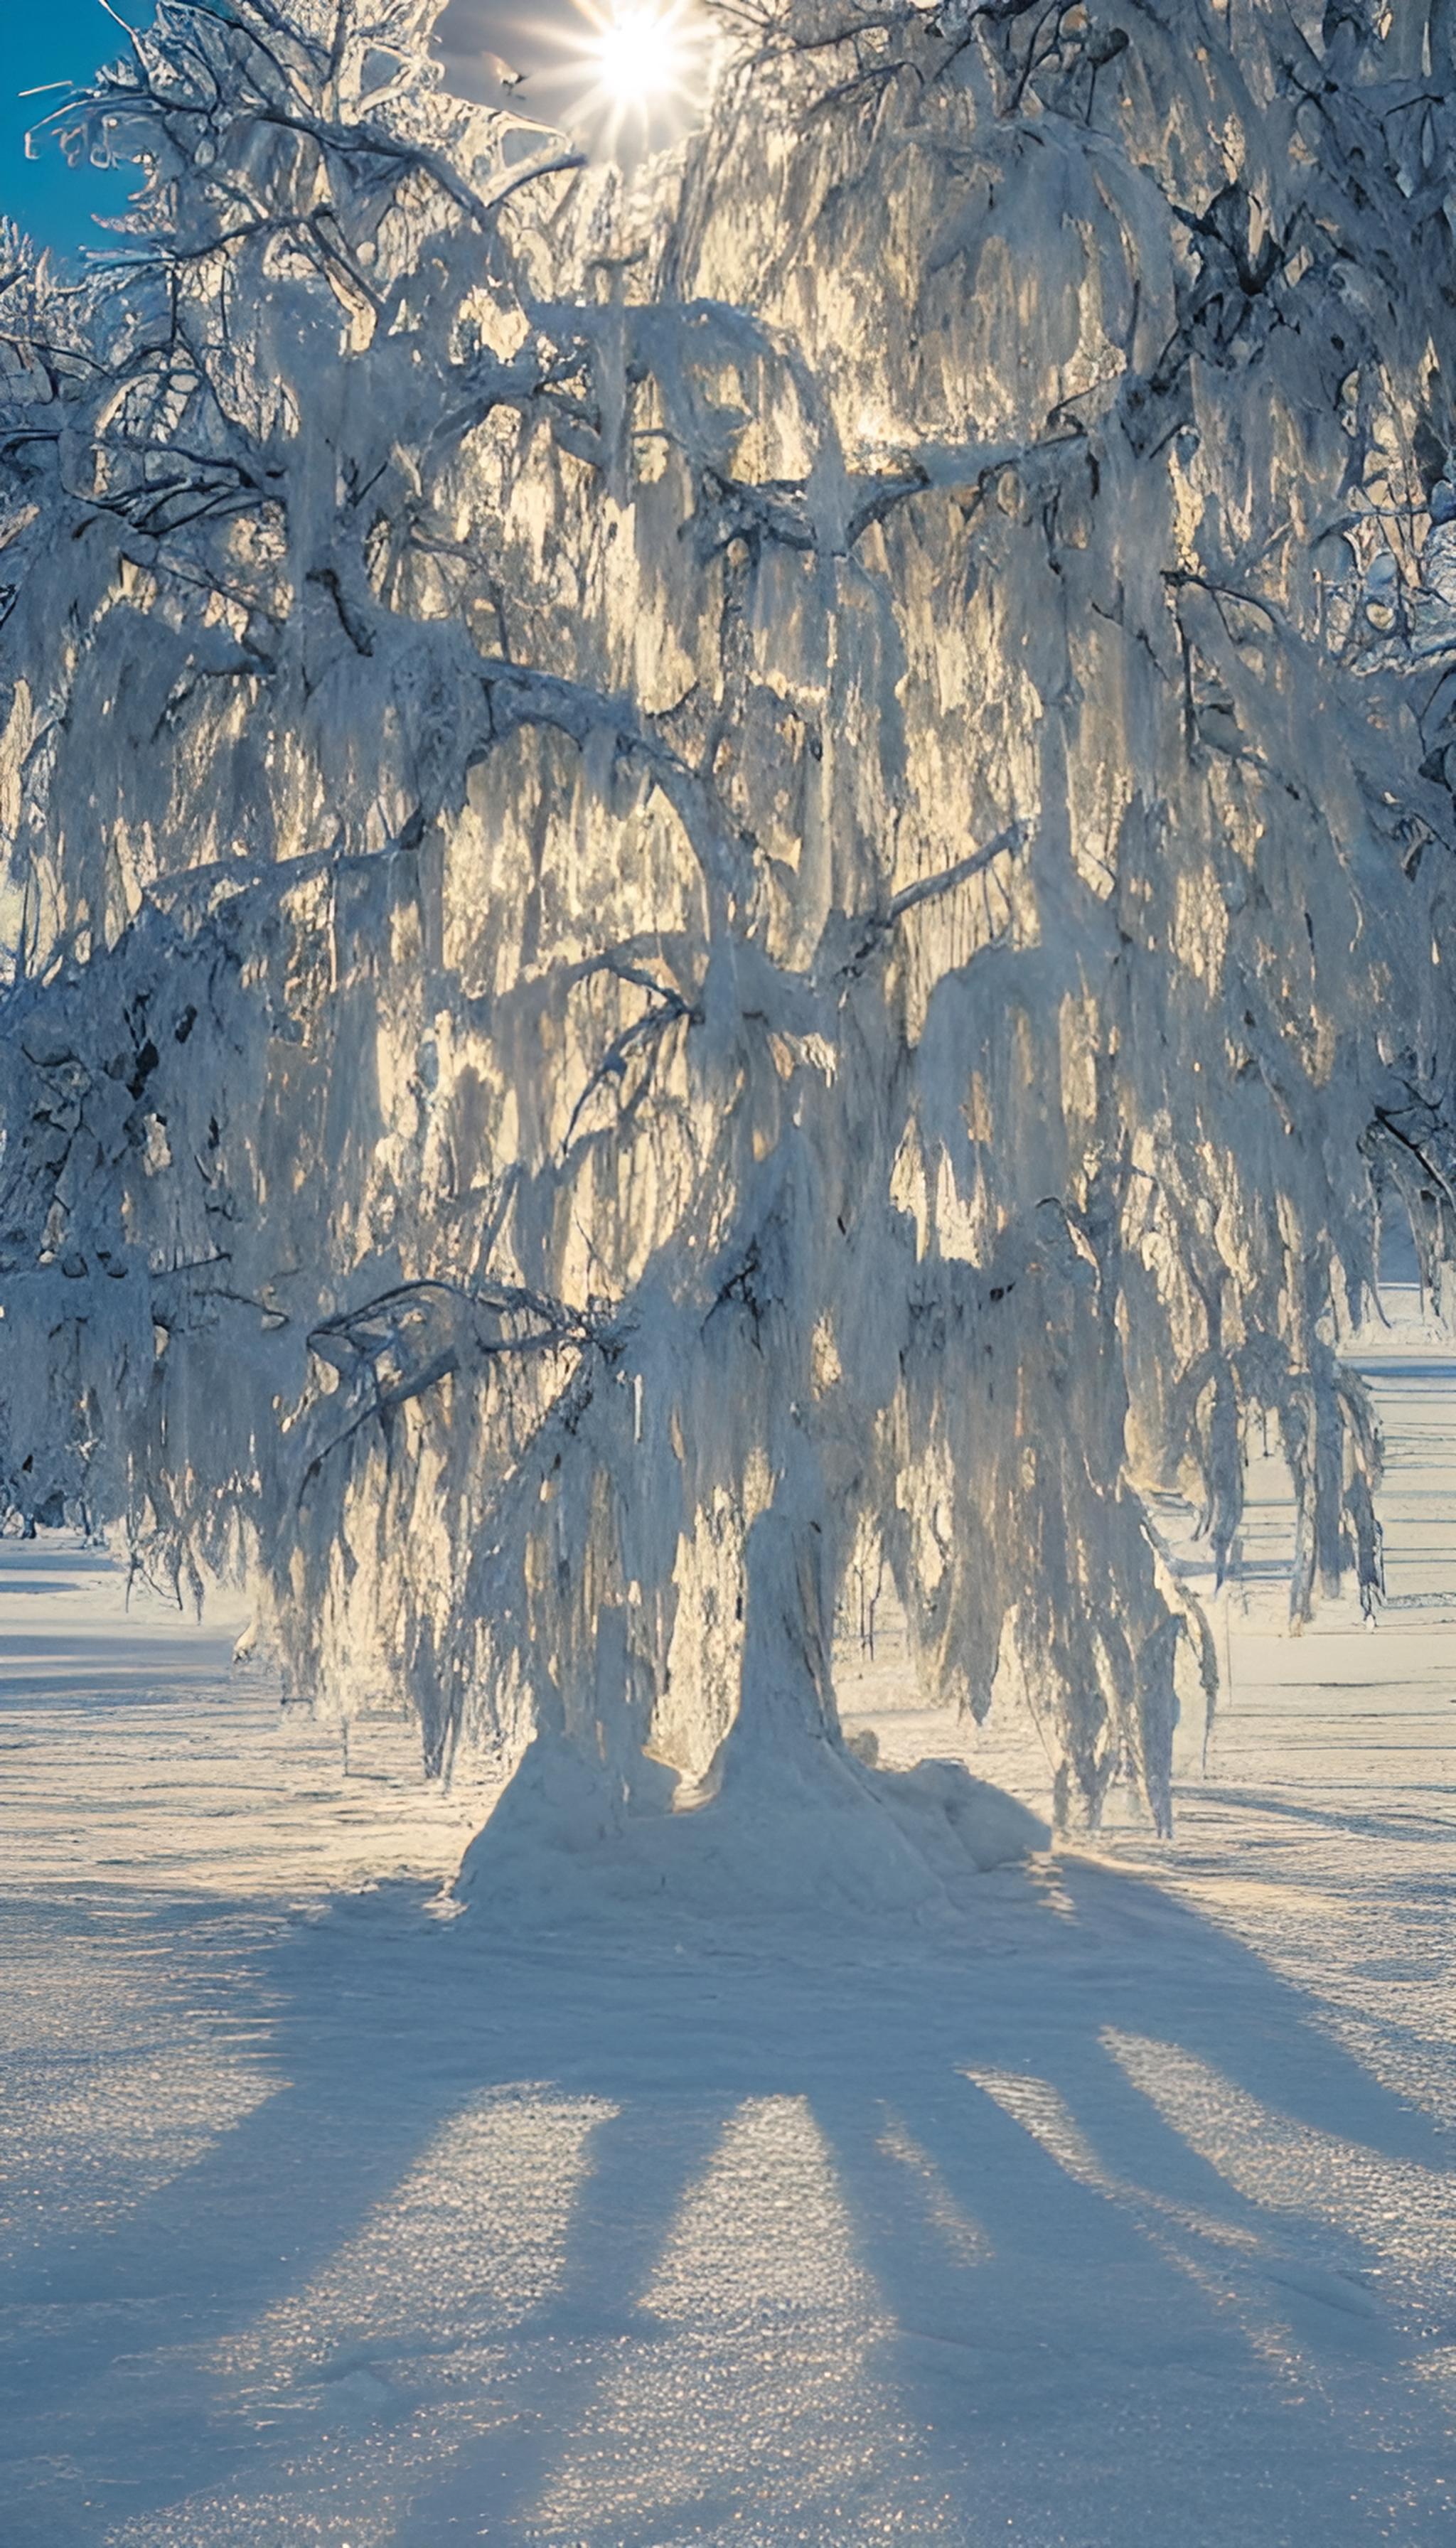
x=1120, y=2215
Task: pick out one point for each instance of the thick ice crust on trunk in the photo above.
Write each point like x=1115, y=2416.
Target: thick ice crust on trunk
x=728, y=876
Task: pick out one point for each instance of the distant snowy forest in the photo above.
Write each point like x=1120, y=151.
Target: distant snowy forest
x=734, y=876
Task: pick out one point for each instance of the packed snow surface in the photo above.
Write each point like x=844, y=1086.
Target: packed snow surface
x=1119, y=2214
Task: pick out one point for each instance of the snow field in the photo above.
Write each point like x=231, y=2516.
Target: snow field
x=1122, y=2215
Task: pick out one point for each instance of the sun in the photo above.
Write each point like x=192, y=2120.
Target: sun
x=636, y=68
x=640, y=56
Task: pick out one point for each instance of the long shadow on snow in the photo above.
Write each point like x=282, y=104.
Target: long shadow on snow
x=1068, y=2294
x=1088, y=2220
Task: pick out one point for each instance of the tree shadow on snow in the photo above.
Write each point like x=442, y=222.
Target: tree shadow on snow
x=1065, y=2223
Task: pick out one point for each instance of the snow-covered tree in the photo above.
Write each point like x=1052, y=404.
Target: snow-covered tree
x=731, y=872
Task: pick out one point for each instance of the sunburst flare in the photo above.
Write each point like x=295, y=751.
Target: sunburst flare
x=637, y=67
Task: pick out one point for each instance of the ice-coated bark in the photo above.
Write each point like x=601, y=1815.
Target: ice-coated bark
x=733, y=875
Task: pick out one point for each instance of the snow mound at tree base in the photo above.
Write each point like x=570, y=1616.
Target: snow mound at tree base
x=823, y=1833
